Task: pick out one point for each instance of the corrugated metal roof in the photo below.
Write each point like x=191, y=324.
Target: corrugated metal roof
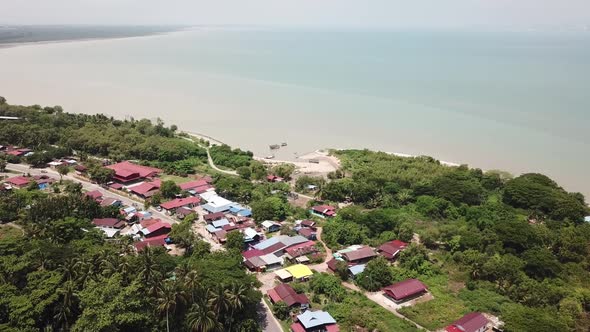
x=357, y=269
x=311, y=319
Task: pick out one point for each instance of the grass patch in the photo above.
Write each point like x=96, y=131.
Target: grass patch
x=9, y=232
x=440, y=311
x=175, y=178
x=357, y=310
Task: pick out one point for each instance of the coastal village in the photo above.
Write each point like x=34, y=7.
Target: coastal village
x=280, y=261
x=131, y=225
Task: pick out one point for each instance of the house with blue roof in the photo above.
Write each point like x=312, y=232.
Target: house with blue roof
x=311, y=321
x=356, y=270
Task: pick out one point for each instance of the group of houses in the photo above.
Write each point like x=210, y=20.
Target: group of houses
x=147, y=232
x=270, y=254
x=12, y=150
x=18, y=182
x=98, y=197
x=357, y=256
x=220, y=224
x=307, y=320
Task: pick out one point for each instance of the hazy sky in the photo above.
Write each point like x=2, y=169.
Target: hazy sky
x=395, y=13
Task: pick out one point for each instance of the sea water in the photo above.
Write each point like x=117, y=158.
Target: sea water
x=518, y=101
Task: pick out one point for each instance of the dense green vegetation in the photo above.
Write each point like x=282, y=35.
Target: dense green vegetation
x=62, y=274
x=520, y=244
x=99, y=135
x=223, y=155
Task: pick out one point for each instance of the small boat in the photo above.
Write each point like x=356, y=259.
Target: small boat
x=270, y=157
x=274, y=146
x=284, y=144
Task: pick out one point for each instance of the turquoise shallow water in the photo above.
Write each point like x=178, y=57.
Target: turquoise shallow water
x=515, y=101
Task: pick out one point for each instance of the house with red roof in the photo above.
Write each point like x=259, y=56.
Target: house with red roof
x=146, y=189
x=18, y=181
x=196, y=187
x=252, y=253
x=156, y=229
x=285, y=293
x=186, y=202
x=307, y=223
x=211, y=217
x=94, y=195
x=405, y=290
x=126, y=172
x=301, y=249
x=108, y=222
x=80, y=169
x=182, y=212
x=359, y=256
x=145, y=223
x=19, y=152
x=274, y=178
x=471, y=322
x=156, y=241
x=391, y=249
x=324, y=211
x=109, y=201
x=308, y=233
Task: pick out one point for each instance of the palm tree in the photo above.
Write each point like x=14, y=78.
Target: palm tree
x=69, y=268
x=169, y=298
x=404, y=196
x=236, y=298
x=192, y=283
x=218, y=301
x=83, y=271
x=124, y=268
x=67, y=308
x=109, y=265
x=202, y=319
x=149, y=268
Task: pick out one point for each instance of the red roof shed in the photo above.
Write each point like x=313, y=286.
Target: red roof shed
x=405, y=289
x=472, y=322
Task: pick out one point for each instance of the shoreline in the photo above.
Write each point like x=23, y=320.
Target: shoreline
x=87, y=39
x=326, y=163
